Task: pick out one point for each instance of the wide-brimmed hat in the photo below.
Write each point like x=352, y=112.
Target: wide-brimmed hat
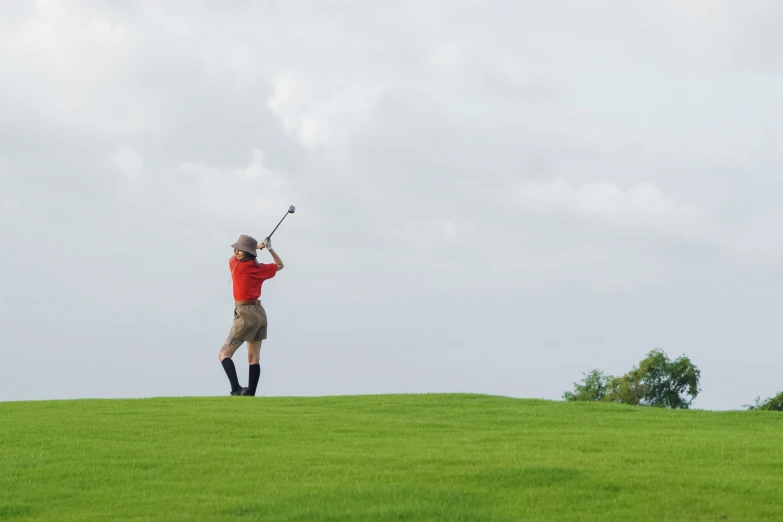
x=246, y=244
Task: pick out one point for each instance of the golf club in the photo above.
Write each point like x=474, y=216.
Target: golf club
x=291, y=210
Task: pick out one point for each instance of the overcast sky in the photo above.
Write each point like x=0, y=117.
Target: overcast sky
x=493, y=197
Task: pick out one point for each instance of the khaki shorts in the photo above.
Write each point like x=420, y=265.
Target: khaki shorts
x=249, y=323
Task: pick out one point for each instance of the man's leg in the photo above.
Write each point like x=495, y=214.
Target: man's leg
x=224, y=356
x=254, y=364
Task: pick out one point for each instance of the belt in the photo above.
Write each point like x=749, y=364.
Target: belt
x=254, y=301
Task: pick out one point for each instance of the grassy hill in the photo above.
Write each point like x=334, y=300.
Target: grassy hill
x=381, y=458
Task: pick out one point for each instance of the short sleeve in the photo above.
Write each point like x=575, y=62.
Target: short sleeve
x=268, y=270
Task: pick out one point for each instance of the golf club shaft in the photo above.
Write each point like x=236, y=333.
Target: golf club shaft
x=270, y=235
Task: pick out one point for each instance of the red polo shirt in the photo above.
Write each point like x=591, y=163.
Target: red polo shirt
x=248, y=276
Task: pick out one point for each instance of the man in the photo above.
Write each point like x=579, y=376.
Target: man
x=250, y=322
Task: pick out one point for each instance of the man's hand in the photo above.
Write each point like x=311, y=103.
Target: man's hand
x=267, y=243
x=260, y=246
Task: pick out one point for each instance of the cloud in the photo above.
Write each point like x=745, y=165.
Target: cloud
x=474, y=142
x=128, y=162
x=642, y=208
x=248, y=193
x=481, y=151
x=318, y=113
x=756, y=245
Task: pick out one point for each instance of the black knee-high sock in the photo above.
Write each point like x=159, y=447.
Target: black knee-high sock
x=254, y=374
x=231, y=372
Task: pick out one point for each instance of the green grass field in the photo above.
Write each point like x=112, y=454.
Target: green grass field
x=383, y=458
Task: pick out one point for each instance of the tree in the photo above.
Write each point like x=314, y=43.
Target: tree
x=656, y=381
x=771, y=404
x=593, y=389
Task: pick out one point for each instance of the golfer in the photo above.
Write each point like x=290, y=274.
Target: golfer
x=250, y=322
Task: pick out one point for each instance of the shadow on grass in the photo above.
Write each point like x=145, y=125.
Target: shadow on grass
x=11, y=512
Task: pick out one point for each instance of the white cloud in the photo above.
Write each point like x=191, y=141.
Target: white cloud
x=250, y=193
x=757, y=245
x=446, y=55
x=287, y=102
x=642, y=207
x=98, y=30
x=284, y=85
x=448, y=227
x=314, y=133
x=128, y=163
x=321, y=114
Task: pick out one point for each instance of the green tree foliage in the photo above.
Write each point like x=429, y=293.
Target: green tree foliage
x=771, y=404
x=656, y=381
x=593, y=388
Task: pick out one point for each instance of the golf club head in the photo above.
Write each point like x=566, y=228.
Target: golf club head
x=291, y=209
